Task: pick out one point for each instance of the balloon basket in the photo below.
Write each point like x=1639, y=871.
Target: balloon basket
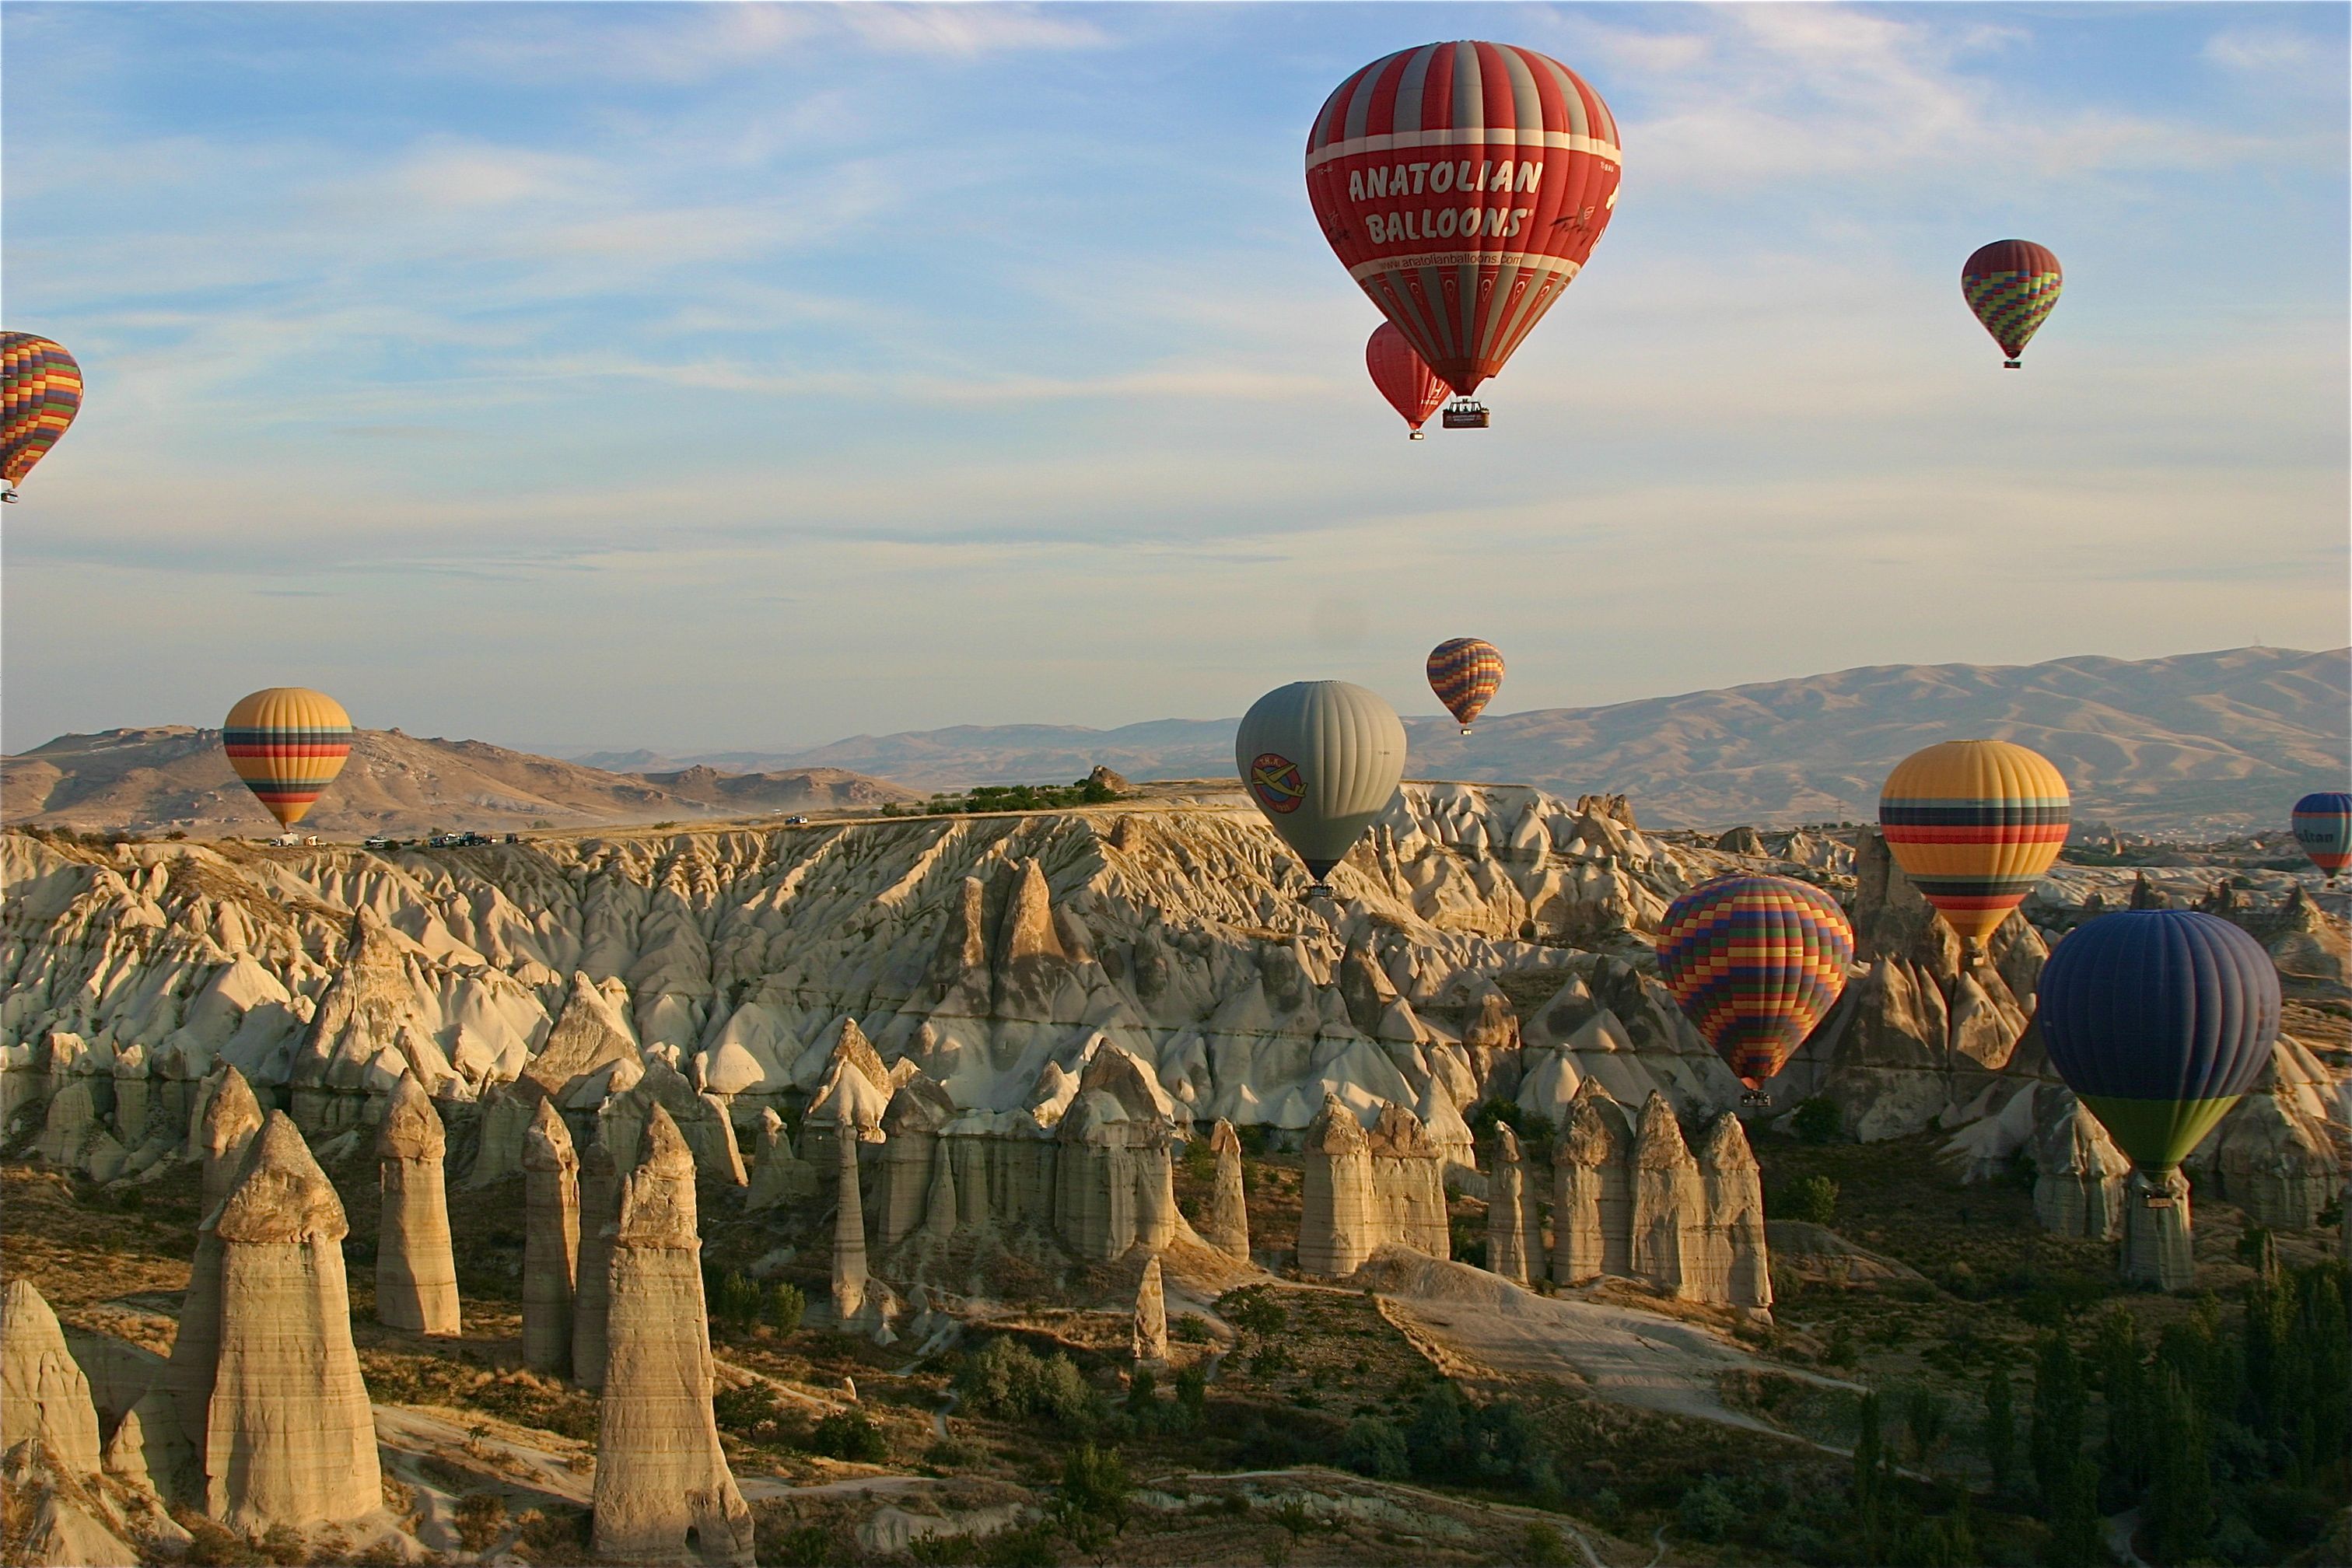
x=1416, y=435
x=1466, y=729
x=2012, y=364
x=7, y=495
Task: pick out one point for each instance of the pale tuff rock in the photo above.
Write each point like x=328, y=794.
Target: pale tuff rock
x=1365, y=1190
x=1592, y=1201
x=1226, y=1225
x=910, y=1133
x=2079, y=1174
x=2305, y=944
x=43, y=1393
x=550, y=1256
x=700, y=1120
x=599, y=1215
x=290, y=1438
x=1666, y=1201
x=2157, y=1248
x=854, y=1093
x=590, y=1037
x=663, y=1492
x=1151, y=1316
x=1446, y=1130
x=1740, y=841
x=147, y=1450
x=1114, y=1185
x=226, y=1133
x=71, y=1124
x=500, y=1127
x=1736, y=1268
x=2273, y=1162
x=1514, y=1240
x=368, y=1030
x=940, y=1218
x=415, y=1271
x=778, y=1177
x=849, y=1235
x=59, y=1518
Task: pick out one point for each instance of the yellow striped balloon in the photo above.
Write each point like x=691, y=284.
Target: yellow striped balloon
x=288, y=744
x=1974, y=824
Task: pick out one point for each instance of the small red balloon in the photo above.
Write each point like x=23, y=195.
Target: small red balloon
x=1404, y=377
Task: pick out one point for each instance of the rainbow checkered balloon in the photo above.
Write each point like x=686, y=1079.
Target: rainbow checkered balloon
x=2012, y=285
x=1755, y=963
x=40, y=393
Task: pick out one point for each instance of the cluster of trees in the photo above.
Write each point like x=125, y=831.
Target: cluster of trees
x=1011, y=797
x=736, y=1302
x=1450, y=1438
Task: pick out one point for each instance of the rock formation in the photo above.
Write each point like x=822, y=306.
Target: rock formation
x=1340, y=1222
x=226, y=1133
x=1225, y=1226
x=600, y=1213
x=1592, y=1191
x=1114, y=1185
x=1150, y=1317
x=289, y=1438
x=778, y=1177
x=551, y=1248
x=415, y=1271
x=663, y=1494
x=1666, y=1201
x=2272, y=1161
x=849, y=1235
x=2156, y=1249
x=2079, y=1174
x=43, y=1394
x=366, y=1033
x=1513, y=1238
x=1736, y=1267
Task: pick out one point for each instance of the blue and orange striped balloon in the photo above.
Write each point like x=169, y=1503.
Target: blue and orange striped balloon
x=1466, y=673
x=288, y=744
x=2323, y=825
x=40, y=393
x=1974, y=824
x=1755, y=963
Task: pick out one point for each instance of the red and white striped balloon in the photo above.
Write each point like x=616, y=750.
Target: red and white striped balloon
x=1463, y=185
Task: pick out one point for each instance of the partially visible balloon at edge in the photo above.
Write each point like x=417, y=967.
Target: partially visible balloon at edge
x=2323, y=825
x=1466, y=673
x=40, y=393
x=288, y=744
x=1412, y=388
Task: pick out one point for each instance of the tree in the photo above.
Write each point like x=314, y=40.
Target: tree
x=2180, y=1489
x=2059, y=1402
x=2123, y=1377
x=1811, y=1198
x=1928, y=1415
x=2000, y=1428
x=1869, y=1474
x=1092, y=1510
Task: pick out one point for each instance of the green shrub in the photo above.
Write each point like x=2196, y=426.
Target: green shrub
x=1190, y=1328
x=1004, y=1378
x=1375, y=1448
x=846, y=1435
x=1810, y=1198
x=1253, y=1311
x=1541, y=1546
x=1818, y=1121
x=481, y=1519
x=783, y=1306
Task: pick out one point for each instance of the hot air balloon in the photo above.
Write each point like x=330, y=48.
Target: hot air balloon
x=1754, y=962
x=1463, y=185
x=1321, y=759
x=1974, y=824
x=1412, y=388
x=40, y=392
x=1465, y=673
x=2012, y=286
x=2159, y=1020
x=288, y=744
x=2323, y=825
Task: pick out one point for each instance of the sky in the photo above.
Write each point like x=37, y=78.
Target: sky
x=748, y=377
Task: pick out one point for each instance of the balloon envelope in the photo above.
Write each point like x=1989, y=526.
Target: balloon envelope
x=1463, y=185
x=1321, y=759
x=2160, y=1020
x=288, y=744
x=1466, y=673
x=40, y=393
x=1974, y=824
x=2012, y=285
x=2323, y=825
x=1754, y=962
x=1412, y=388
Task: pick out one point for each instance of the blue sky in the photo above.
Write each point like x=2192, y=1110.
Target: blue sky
x=747, y=376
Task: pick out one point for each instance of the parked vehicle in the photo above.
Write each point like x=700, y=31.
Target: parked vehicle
x=381, y=842
x=514, y=838
x=796, y=822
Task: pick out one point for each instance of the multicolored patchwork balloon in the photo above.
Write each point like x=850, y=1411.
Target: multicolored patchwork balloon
x=1463, y=185
x=2012, y=285
x=2323, y=825
x=1755, y=963
x=40, y=393
x=1974, y=824
x=1412, y=388
x=1466, y=673
x=1321, y=759
x=2160, y=1020
x=288, y=744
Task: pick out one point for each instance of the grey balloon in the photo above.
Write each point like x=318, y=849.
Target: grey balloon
x=1321, y=759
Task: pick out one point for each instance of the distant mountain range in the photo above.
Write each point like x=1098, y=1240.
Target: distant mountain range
x=2205, y=743
x=174, y=776
x=2197, y=742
